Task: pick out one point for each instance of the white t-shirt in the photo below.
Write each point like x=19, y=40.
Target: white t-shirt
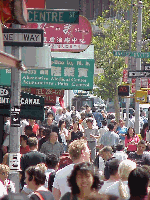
x=60, y=180
x=3, y=190
x=114, y=189
x=105, y=186
x=120, y=155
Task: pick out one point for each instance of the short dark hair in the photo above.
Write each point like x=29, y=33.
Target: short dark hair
x=28, y=127
x=52, y=160
x=25, y=137
x=50, y=113
x=104, y=122
x=113, y=165
x=138, y=182
x=32, y=141
x=84, y=168
x=37, y=174
x=119, y=147
x=110, y=127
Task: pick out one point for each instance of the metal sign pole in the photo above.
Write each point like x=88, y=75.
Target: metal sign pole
x=14, y=142
x=138, y=66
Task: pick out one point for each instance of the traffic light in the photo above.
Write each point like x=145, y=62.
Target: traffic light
x=123, y=90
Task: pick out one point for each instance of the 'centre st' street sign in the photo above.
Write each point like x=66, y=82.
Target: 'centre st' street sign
x=23, y=37
x=138, y=74
x=53, y=16
x=132, y=54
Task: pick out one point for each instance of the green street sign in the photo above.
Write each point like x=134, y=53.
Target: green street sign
x=53, y=16
x=132, y=54
x=65, y=73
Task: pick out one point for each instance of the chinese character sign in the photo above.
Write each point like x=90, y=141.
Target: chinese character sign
x=65, y=73
x=66, y=37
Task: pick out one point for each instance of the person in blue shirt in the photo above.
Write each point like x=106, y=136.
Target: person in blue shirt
x=121, y=130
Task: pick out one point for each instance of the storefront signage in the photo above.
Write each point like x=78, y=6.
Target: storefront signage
x=65, y=73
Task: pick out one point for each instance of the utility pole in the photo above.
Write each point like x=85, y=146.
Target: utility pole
x=138, y=65
x=14, y=138
x=129, y=60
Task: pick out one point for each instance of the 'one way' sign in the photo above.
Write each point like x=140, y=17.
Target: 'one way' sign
x=23, y=37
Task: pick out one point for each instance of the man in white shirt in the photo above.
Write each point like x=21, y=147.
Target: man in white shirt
x=79, y=152
x=113, y=171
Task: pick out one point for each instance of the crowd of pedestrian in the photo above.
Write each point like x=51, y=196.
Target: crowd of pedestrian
x=79, y=155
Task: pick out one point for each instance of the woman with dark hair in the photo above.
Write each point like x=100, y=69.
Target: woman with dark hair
x=83, y=180
x=143, y=131
x=63, y=132
x=75, y=132
x=131, y=140
x=35, y=179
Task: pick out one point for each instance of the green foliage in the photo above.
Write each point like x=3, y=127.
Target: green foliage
x=115, y=36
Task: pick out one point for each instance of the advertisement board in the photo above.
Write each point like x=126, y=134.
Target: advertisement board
x=65, y=73
x=66, y=37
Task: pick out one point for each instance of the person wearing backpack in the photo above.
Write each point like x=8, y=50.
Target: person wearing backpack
x=52, y=163
x=35, y=179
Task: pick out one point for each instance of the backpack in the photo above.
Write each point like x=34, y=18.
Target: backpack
x=51, y=180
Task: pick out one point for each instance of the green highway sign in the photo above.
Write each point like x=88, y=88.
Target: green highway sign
x=53, y=16
x=132, y=54
x=65, y=73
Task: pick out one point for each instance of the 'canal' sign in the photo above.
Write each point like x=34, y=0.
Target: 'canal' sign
x=23, y=37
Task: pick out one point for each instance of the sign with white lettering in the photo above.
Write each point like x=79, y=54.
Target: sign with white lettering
x=53, y=16
x=48, y=94
x=65, y=73
x=15, y=116
x=23, y=37
x=32, y=107
x=66, y=37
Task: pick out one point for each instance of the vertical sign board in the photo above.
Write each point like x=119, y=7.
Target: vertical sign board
x=15, y=116
x=65, y=73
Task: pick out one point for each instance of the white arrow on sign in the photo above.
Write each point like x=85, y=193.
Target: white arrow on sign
x=147, y=67
x=133, y=74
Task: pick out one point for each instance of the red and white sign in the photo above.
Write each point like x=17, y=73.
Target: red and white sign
x=48, y=94
x=144, y=82
x=66, y=37
x=35, y=4
x=125, y=76
x=133, y=87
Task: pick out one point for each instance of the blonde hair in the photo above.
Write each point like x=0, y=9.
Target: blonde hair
x=42, y=167
x=124, y=169
x=76, y=147
x=4, y=168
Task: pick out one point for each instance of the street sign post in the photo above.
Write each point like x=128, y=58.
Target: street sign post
x=138, y=74
x=23, y=37
x=65, y=73
x=53, y=16
x=132, y=54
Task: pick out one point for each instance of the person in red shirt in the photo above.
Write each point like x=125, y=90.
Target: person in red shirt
x=35, y=126
x=131, y=140
x=24, y=148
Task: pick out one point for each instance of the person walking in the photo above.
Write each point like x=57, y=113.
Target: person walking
x=79, y=152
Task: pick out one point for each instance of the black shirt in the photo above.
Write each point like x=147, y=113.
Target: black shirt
x=75, y=136
x=143, y=159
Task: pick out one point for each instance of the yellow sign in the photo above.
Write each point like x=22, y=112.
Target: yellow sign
x=141, y=96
